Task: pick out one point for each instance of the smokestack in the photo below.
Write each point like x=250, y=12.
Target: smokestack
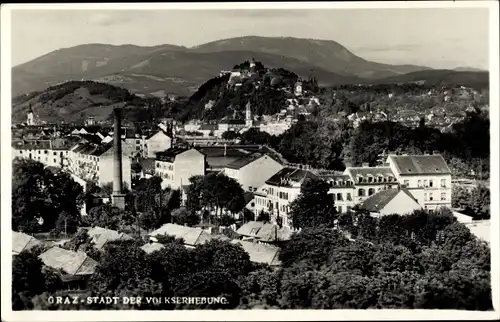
x=118, y=197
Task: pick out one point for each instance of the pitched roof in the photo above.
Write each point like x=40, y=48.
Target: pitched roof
x=288, y=175
x=91, y=149
x=250, y=228
x=151, y=247
x=100, y=236
x=191, y=236
x=420, y=164
x=170, y=154
x=22, y=241
x=272, y=233
x=248, y=196
x=72, y=263
x=379, y=200
x=369, y=171
x=260, y=253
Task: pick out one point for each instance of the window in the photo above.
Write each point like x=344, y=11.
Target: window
x=349, y=198
x=349, y=208
x=55, y=153
x=425, y=196
x=370, y=179
x=361, y=192
x=333, y=196
x=419, y=183
x=252, y=204
x=443, y=196
x=339, y=196
x=55, y=161
x=431, y=197
x=425, y=183
x=371, y=191
x=443, y=183
x=431, y=183
x=250, y=188
x=406, y=183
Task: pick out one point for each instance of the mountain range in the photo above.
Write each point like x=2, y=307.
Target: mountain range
x=169, y=69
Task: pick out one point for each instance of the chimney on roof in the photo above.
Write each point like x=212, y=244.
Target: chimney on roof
x=118, y=198
x=365, y=165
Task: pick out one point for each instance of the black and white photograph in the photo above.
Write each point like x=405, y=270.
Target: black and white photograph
x=272, y=158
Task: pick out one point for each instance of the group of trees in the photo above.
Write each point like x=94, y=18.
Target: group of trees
x=43, y=200
x=423, y=261
x=215, y=192
x=475, y=203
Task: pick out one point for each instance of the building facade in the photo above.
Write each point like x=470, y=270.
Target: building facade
x=175, y=166
x=427, y=178
x=252, y=171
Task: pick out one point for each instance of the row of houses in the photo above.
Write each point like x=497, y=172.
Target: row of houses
x=425, y=179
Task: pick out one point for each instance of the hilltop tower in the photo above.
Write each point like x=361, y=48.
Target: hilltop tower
x=253, y=67
x=30, y=120
x=248, y=116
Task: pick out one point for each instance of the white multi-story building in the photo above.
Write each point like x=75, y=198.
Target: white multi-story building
x=252, y=171
x=279, y=191
x=85, y=160
x=427, y=178
x=96, y=163
x=370, y=180
x=343, y=191
x=176, y=165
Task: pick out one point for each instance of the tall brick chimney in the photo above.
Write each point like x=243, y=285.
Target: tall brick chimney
x=118, y=197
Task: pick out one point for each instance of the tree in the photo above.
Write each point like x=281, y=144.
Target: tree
x=314, y=206
x=223, y=255
x=81, y=241
x=264, y=216
x=215, y=191
x=229, y=135
x=110, y=217
x=183, y=216
x=38, y=193
x=123, y=267
x=313, y=245
x=28, y=279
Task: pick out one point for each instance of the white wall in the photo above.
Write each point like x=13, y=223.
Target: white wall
x=256, y=173
x=402, y=204
x=186, y=165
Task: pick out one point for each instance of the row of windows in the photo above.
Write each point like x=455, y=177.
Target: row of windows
x=339, y=196
x=164, y=165
x=374, y=180
x=430, y=196
x=250, y=188
x=426, y=183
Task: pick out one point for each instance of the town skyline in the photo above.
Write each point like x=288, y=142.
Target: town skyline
x=443, y=42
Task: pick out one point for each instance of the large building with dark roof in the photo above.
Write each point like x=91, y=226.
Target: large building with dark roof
x=427, y=178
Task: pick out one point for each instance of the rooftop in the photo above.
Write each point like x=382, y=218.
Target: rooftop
x=260, y=253
x=72, y=263
x=191, y=236
x=378, y=201
x=420, y=164
x=22, y=241
x=100, y=236
x=287, y=176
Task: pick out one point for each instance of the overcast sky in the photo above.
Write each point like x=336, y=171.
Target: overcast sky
x=438, y=38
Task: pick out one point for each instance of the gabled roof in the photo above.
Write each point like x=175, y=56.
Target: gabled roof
x=420, y=164
x=260, y=253
x=272, y=233
x=250, y=228
x=248, y=196
x=192, y=236
x=100, y=236
x=151, y=247
x=155, y=133
x=378, y=201
x=170, y=154
x=369, y=171
x=72, y=263
x=288, y=175
x=22, y=241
